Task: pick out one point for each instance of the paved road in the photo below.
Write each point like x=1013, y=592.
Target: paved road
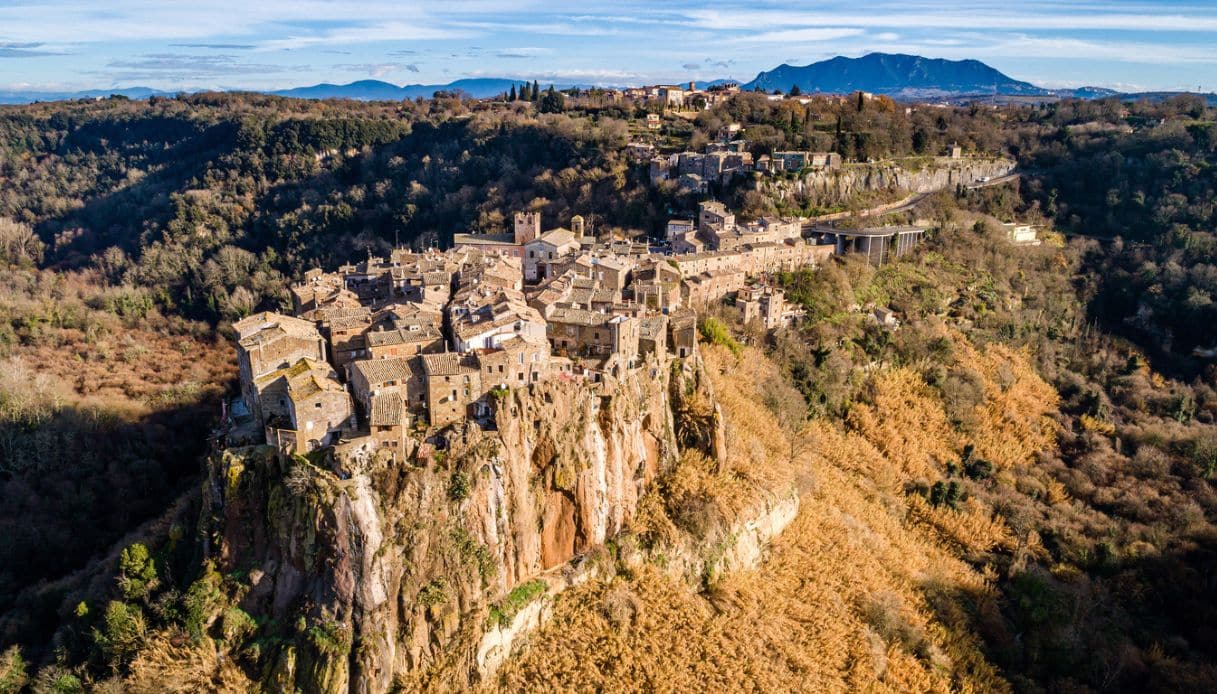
x=906, y=204
x=996, y=181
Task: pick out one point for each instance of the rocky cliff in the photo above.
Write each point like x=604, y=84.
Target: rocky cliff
x=832, y=187
x=366, y=575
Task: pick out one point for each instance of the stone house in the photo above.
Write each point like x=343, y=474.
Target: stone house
x=709, y=287
x=547, y=249
x=453, y=383
x=653, y=337
x=488, y=324
x=403, y=376
x=713, y=215
x=682, y=333
x=344, y=331
x=517, y=363
x=317, y=408
x=586, y=333
x=765, y=304
x=405, y=341
x=389, y=422
x=268, y=342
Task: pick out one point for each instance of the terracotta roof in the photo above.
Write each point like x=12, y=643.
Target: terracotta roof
x=575, y=316
x=484, y=239
x=401, y=336
x=376, y=371
x=447, y=364
x=269, y=321
x=386, y=410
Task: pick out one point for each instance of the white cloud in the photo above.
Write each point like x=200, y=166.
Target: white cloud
x=800, y=35
x=1029, y=16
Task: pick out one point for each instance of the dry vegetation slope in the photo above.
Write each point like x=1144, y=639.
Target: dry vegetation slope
x=866, y=590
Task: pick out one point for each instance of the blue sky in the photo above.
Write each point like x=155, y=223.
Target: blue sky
x=260, y=44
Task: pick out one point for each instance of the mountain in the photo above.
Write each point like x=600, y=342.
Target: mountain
x=375, y=90
x=1086, y=93
x=895, y=75
x=25, y=97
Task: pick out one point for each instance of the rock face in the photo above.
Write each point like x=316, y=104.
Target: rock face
x=837, y=186
x=371, y=575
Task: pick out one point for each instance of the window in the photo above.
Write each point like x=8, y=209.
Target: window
x=317, y=405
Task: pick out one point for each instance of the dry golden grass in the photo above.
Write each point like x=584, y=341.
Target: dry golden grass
x=92, y=357
x=164, y=667
x=861, y=593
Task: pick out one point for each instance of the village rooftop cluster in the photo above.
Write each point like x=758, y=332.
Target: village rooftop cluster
x=382, y=350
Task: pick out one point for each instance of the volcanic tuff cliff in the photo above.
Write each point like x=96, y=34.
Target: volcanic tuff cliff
x=369, y=574
x=835, y=186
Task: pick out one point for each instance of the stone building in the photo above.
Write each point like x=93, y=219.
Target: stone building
x=453, y=384
x=268, y=342
x=682, y=333
x=765, y=304
x=593, y=333
x=317, y=407
x=403, y=376
x=405, y=341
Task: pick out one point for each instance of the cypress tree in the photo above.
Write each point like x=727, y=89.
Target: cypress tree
x=511, y=96
x=536, y=90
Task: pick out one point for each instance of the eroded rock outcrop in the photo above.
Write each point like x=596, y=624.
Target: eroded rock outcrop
x=369, y=575
x=836, y=186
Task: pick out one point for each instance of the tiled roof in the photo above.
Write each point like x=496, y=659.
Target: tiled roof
x=401, y=336
x=376, y=371
x=386, y=410
x=267, y=320
x=447, y=364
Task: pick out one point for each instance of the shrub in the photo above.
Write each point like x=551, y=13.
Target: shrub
x=136, y=572
x=330, y=638
x=505, y=610
x=433, y=593
x=124, y=632
x=947, y=494
x=13, y=677
x=236, y=624
x=473, y=551
x=202, y=600
x=458, y=486
x=715, y=332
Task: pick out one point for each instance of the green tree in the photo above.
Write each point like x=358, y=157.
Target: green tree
x=511, y=96
x=124, y=631
x=136, y=572
x=13, y=677
x=552, y=102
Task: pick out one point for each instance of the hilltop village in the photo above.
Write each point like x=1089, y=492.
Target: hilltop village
x=380, y=351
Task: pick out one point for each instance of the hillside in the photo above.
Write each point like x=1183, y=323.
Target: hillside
x=1014, y=489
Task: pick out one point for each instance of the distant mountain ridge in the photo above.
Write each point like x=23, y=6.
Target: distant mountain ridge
x=908, y=77
x=894, y=74
x=479, y=88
